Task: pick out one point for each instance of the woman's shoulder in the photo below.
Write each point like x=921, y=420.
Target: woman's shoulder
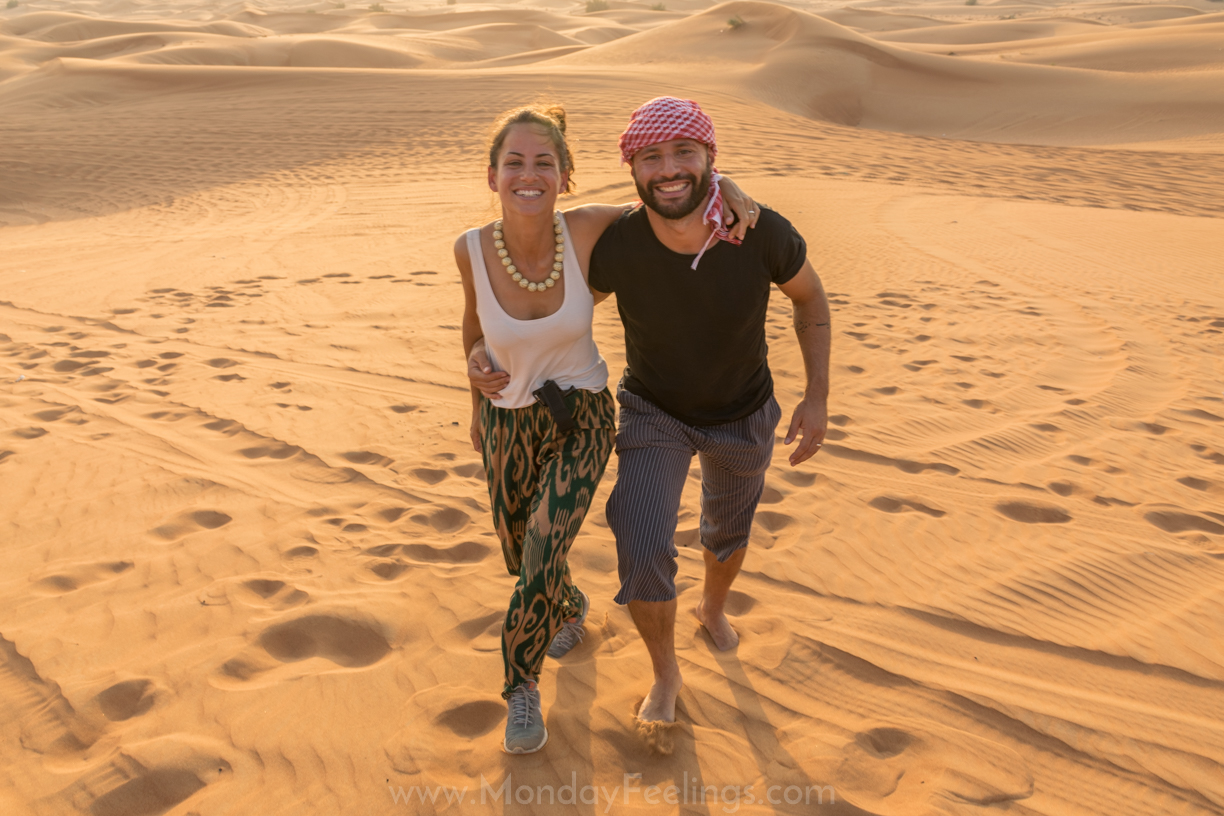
x=461, y=242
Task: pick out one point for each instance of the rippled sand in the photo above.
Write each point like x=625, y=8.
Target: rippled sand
x=248, y=565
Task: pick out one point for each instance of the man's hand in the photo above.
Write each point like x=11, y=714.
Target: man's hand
x=743, y=209
x=480, y=372
x=812, y=417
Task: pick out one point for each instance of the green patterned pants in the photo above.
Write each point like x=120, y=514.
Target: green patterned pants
x=541, y=484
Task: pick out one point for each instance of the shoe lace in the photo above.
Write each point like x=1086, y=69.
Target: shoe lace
x=570, y=635
x=520, y=706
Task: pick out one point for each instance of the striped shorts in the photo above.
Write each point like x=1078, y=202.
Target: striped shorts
x=655, y=450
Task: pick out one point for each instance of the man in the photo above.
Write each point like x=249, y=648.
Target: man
x=693, y=301
x=697, y=380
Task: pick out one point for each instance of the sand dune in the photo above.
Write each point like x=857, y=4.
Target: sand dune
x=248, y=566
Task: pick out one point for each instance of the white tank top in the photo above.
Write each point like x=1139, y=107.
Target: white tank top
x=558, y=347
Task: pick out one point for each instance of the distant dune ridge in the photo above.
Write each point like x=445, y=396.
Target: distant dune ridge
x=247, y=559
x=1140, y=73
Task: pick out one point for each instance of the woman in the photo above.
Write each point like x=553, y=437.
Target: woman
x=527, y=300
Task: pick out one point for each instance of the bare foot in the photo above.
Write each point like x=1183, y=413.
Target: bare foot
x=660, y=703
x=718, y=626
x=658, y=736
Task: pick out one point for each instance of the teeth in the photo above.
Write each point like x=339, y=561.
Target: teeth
x=671, y=188
x=530, y=193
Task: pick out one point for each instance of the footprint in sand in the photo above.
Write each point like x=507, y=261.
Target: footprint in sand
x=368, y=458
x=167, y=416
x=77, y=576
x=55, y=414
x=222, y=362
x=65, y=366
x=898, y=769
x=1028, y=512
x=226, y=426
x=126, y=699
x=448, y=738
x=1195, y=483
x=893, y=504
x=771, y=495
x=189, y=522
x=29, y=433
x=269, y=593
x=300, y=552
x=465, y=552
x=444, y=520
x=403, y=409
x=271, y=452
x=430, y=476
x=799, y=479
x=150, y=778
x=388, y=570
x=773, y=521
x=342, y=641
x=484, y=633
x=472, y=470
x=473, y=719
x=1178, y=521
x=1063, y=488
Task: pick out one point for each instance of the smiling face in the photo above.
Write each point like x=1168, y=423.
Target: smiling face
x=672, y=177
x=528, y=173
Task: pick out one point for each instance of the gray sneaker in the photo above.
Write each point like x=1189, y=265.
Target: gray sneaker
x=571, y=632
x=525, y=731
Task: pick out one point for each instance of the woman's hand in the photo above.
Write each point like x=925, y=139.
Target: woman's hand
x=477, y=433
x=746, y=211
x=480, y=372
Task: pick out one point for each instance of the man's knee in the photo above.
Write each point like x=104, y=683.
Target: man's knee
x=647, y=570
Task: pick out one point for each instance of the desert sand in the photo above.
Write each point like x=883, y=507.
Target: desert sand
x=247, y=563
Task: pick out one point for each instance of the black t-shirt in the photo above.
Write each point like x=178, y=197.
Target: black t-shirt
x=695, y=338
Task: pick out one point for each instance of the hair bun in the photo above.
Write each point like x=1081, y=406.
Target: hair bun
x=557, y=112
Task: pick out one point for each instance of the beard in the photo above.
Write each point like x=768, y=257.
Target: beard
x=675, y=210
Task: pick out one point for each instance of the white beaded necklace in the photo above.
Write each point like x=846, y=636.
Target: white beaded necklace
x=499, y=241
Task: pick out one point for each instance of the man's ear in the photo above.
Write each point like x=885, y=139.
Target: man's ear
x=492, y=178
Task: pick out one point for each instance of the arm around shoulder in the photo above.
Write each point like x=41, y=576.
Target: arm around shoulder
x=589, y=221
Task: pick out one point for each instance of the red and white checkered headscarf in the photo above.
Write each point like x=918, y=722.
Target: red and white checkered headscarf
x=666, y=118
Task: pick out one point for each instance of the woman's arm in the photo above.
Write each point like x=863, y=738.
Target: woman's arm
x=490, y=382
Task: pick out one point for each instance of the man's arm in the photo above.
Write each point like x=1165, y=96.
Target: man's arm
x=811, y=318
